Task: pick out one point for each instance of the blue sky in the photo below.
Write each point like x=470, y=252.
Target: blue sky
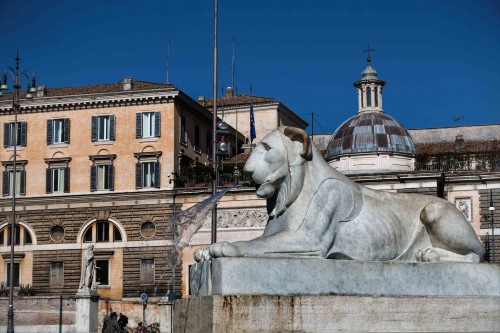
x=440, y=59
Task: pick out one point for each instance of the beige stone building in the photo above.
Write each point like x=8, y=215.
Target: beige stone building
x=96, y=164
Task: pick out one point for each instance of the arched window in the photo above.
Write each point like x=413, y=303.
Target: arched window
x=22, y=236
x=101, y=232
x=368, y=96
x=376, y=96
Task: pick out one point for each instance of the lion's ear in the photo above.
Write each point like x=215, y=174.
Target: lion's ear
x=297, y=134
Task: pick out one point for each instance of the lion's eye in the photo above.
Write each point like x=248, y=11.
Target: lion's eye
x=266, y=146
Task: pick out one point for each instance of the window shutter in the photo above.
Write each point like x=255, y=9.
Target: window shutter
x=49, y=132
x=157, y=124
x=23, y=182
x=157, y=174
x=5, y=183
x=112, y=127
x=93, y=133
x=24, y=130
x=66, y=180
x=48, y=180
x=93, y=178
x=6, y=134
x=66, y=130
x=111, y=175
x=138, y=125
x=138, y=175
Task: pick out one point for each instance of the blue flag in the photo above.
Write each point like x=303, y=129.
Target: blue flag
x=252, y=124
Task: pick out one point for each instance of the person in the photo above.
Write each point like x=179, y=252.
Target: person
x=112, y=325
x=88, y=267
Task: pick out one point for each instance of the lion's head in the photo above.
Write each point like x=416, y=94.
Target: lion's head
x=276, y=165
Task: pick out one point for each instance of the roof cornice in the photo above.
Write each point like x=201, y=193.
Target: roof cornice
x=91, y=101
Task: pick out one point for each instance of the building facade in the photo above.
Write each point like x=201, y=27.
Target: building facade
x=97, y=165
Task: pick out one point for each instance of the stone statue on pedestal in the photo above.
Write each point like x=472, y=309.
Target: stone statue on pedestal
x=87, y=279
x=317, y=212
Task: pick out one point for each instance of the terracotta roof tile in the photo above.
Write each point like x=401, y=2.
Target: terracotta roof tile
x=449, y=147
x=95, y=89
x=237, y=100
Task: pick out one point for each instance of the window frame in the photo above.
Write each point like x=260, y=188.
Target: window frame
x=51, y=131
x=143, y=159
x=108, y=132
x=92, y=230
x=154, y=124
x=143, y=273
x=183, y=130
x=102, y=167
x=9, y=130
x=97, y=271
x=7, y=178
x=51, y=282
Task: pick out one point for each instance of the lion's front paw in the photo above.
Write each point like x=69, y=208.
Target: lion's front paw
x=224, y=249
x=202, y=254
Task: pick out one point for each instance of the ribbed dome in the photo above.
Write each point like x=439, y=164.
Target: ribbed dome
x=370, y=132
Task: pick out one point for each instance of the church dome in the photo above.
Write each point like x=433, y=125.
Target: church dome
x=370, y=132
x=369, y=73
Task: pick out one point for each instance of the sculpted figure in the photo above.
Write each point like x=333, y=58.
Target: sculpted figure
x=316, y=211
x=88, y=268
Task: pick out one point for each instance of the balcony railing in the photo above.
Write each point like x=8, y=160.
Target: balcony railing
x=460, y=165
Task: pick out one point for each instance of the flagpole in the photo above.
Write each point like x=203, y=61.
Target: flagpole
x=214, y=133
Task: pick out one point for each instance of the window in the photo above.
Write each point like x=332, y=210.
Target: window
x=21, y=236
x=102, y=272
x=209, y=143
x=376, y=96
x=148, y=175
x=57, y=233
x=102, y=173
x=57, y=180
x=15, y=280
x=368, y=96
x=9, y=134
x=147, y=125
x=197, y=138
x=148, y=229
x=147, y=170
x=102, y=231
x=147, y=271
x=102, y=177
x=57, y=274
x=103, y=128
x=8, y=182
x=57, y=131
x=183, y=130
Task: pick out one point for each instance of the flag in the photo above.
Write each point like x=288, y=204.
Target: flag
x=252, y=124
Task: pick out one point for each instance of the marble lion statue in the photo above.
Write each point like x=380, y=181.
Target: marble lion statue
x=316, y=211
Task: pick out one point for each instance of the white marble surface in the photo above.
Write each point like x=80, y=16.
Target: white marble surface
x=306, y=276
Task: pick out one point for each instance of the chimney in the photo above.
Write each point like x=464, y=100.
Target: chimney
x=229, y=92
x=40, y=91
x=128, y=83
x=459, y=142
x=201, y=100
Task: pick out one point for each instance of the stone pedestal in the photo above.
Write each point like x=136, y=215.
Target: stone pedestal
x=166, y=310
x=87, y=311
x=315, y=295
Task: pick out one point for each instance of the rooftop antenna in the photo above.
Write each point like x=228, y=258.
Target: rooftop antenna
x=168, y=56
x=456, y=120
x=368, y=50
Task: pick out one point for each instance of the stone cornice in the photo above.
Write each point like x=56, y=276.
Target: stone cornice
x=91, y=101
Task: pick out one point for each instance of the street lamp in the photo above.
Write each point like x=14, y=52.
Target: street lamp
x=16, y=106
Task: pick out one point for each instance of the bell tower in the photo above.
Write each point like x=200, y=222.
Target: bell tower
x=369, y=88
